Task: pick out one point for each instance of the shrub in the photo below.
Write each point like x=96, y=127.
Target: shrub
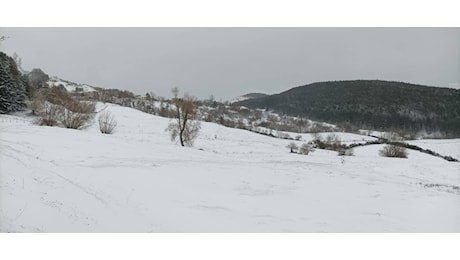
x=107, y=123
x=305, y=149
x=75, y=120
x=283, y=135
x=55, y=107
x=293, y=147
x=317, y=138
x=393, y=151
x=77, y=114
x=50, y=114
x=345, y=152
x=333, y=141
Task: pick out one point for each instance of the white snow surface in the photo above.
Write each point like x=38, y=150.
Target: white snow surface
x=136, y=180
x=444, y=147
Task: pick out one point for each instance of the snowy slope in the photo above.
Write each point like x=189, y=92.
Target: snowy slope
x=137, y=180
x=444, y=147
x=70, y=86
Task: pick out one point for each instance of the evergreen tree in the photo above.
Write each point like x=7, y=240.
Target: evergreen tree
x=6, y=91
x=12, y=87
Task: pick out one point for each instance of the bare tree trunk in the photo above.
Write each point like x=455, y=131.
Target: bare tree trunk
x=182, y=130
x=184, y=127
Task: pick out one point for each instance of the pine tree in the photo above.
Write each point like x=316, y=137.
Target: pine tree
x=6, y=91
x=12, y=87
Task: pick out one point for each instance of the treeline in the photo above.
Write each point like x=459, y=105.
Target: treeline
x=371, y=104
x=349, y=105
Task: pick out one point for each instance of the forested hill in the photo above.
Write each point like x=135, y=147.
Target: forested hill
x=371, y=104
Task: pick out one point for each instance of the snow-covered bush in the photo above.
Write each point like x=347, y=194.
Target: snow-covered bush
x=292, y=147
x=107, y=123
x=49, y=113
x=316, y=139
x=306, y=149
x=77, y=114
x=345, y=152
x=393, y=151
x=282, y=135
x=332, y=142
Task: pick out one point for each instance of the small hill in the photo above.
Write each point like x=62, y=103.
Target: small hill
x=374, y=104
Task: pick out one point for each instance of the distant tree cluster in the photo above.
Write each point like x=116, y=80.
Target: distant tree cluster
x=12, y=86
x=260, y=120
x=304, y=149
x=116, y=96
x=332, y=142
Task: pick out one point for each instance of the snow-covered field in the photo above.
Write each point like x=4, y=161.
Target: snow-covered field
x=136, y=180
x=444, y=147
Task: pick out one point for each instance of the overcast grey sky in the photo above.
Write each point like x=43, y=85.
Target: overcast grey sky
x=229, y=62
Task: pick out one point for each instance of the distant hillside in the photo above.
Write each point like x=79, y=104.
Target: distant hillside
x=69, y=86
x=37, y=79
x=248, y=96
x=375, y=104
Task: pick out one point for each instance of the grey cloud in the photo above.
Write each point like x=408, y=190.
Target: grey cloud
x=228, y=62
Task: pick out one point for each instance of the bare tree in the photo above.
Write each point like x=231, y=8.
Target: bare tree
x=302, y=125
x=18, y=61
x=185, y=125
